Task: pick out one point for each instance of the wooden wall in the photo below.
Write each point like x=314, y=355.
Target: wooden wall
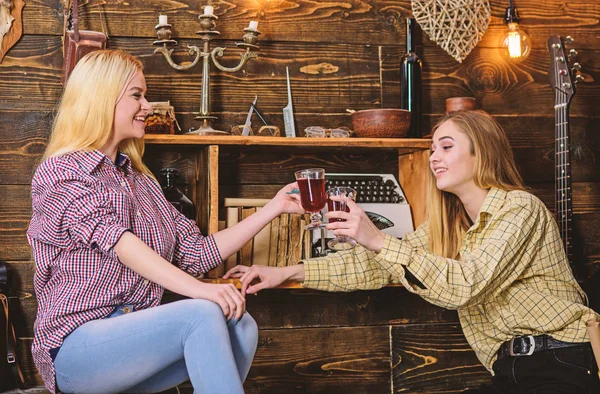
x=373, y=342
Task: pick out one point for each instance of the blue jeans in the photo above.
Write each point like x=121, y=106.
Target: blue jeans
x=155, y=349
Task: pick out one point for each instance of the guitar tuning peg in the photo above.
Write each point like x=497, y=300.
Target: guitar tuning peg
x=569, y=40
x=576, y=67
x=579, y=78
x=573, y=53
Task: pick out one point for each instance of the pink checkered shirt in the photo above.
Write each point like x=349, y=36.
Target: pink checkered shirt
x=82, y=204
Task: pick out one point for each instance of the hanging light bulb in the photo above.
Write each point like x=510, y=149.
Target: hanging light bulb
x=515, y=44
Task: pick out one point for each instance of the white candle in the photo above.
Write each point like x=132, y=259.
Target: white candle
x=162, y=19
x=253, y=25
x=208, y=10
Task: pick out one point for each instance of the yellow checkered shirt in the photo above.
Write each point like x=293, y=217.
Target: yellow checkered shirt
x=512, y=277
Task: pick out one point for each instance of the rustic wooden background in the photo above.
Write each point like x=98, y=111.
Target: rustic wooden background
x=312, y=342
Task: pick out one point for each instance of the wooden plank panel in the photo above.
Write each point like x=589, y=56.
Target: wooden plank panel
x=23, y=137
x=31, y=82
x=207, y=183
x=586, y=226
x=31, y=74
x=541, y=19
x=205, y=166
x=15, y=214
x=330, y=360
x=312, y=21
x=376, y=21
x=414, y=183
x=586, y=196
x=434, y=358
x=311, y=308
x=247, y=165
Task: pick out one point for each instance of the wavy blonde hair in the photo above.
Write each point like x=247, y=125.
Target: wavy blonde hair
x=494, y=167
x=85, y=116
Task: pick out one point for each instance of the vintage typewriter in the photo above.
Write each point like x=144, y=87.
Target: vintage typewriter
x=381, y=197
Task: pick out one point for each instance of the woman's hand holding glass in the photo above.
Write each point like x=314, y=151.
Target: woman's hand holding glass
x=336, y=201
x=286, y=200
x=357, y=226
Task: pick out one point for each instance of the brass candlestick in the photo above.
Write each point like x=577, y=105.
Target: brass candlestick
x=208, y=33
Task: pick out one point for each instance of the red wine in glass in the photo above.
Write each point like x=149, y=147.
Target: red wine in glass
x=312, y=194
x=336, y=206
x=313, y=198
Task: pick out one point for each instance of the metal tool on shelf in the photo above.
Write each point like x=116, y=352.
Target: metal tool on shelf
x=248, y=123
x=288, y=110
x=260, y=115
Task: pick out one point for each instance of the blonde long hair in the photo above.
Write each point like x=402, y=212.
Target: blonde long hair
x=85, y=116
x=494, y=167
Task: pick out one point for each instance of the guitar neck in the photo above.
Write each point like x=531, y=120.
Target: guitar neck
x=562, y=178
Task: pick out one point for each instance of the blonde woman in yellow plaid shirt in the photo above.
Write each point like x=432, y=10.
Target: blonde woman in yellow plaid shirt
x=488, y=249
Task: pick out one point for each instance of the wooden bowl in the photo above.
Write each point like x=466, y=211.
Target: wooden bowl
x=381, y=123
x=460, y=104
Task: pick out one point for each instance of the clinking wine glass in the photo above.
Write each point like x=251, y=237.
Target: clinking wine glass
x=340, y=195
x=311, y=183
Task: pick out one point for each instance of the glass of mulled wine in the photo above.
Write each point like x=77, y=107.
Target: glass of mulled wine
x=311, y=183
x=336, y=201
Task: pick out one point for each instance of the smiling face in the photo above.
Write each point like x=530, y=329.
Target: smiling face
x=131, y=110
x=452, y=161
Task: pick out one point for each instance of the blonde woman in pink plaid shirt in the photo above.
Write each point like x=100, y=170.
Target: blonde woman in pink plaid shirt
x=106, y=244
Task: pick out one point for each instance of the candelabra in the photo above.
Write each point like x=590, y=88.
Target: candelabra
x=207, y=33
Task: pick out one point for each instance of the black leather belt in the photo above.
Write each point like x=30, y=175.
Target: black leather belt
x=528, y=344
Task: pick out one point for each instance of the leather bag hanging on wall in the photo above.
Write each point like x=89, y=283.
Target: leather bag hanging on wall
x=79, y=43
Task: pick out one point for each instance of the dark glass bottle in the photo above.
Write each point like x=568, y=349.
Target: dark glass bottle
x=176, y=196
x=410, y=82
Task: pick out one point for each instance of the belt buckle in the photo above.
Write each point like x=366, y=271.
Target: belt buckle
x=530, y=350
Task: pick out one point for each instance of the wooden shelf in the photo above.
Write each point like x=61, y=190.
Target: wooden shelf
x=285, y=285
x=407, y=145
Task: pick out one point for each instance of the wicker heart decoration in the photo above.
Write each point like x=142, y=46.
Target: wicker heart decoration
x=456, y=25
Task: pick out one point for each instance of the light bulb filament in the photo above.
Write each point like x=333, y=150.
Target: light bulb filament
x=514, y=44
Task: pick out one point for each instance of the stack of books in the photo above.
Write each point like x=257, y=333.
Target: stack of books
x=280, y=243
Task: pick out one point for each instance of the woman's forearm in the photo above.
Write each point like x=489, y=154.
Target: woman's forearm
x=231, y=239
x=296, y=272
x=142, y=259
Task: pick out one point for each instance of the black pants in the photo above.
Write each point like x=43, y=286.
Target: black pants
x=569, y=370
